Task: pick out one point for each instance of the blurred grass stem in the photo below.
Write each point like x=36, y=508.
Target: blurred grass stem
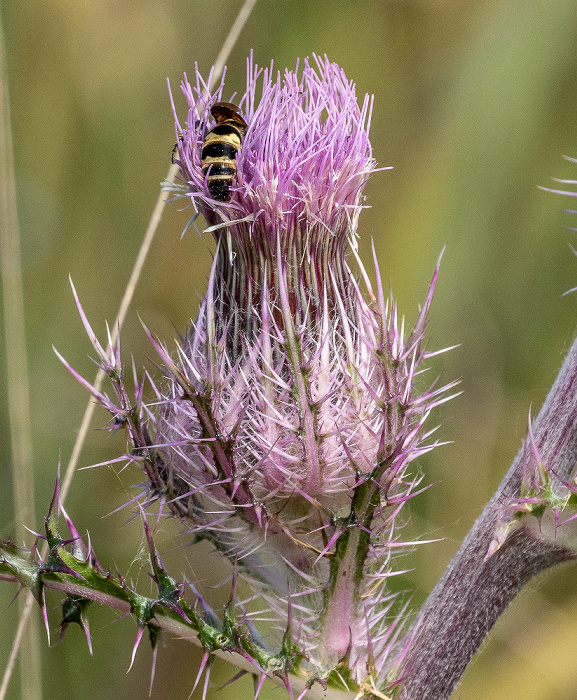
x=18, y=394
x=231, y=40
x=13, y=310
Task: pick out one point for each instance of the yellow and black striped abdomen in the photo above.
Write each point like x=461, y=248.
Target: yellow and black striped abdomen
x=219, y=159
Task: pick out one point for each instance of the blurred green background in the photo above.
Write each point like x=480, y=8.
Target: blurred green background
x=475, y=104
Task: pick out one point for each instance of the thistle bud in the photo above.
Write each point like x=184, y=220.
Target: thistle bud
x=291, y=414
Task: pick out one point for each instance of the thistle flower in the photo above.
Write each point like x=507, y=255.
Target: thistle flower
x=291, y=413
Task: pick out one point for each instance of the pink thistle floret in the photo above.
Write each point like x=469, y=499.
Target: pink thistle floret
x=291, y=412
x=304, y=159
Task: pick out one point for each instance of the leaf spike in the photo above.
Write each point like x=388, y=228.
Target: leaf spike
x=89, y=331
x=42, y=602
x=153, y=670
x=207, y=673
x=236, y=677
x=86, y=628
x=139, y=634
x=79, y=549
x=419, y=328
x=258, y=683
x=203, y=662
x=288, y=686
x=51, y=522
x=154, y=632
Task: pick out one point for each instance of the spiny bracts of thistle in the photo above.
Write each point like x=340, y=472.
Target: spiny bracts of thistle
x=289, y=417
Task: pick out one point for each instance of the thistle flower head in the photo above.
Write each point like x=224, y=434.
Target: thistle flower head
x=304, y=159
x=291, y=413
x=300, y=172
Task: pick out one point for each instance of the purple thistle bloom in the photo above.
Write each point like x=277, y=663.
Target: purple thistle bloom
x=290, y=416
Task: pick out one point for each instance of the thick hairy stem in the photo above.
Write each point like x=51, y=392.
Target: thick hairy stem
x=474, y=591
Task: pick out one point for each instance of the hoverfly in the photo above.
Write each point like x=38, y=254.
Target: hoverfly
x=220, y=147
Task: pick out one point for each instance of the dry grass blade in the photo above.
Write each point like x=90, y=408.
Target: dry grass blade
x=17, y=369
x=231, y=40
